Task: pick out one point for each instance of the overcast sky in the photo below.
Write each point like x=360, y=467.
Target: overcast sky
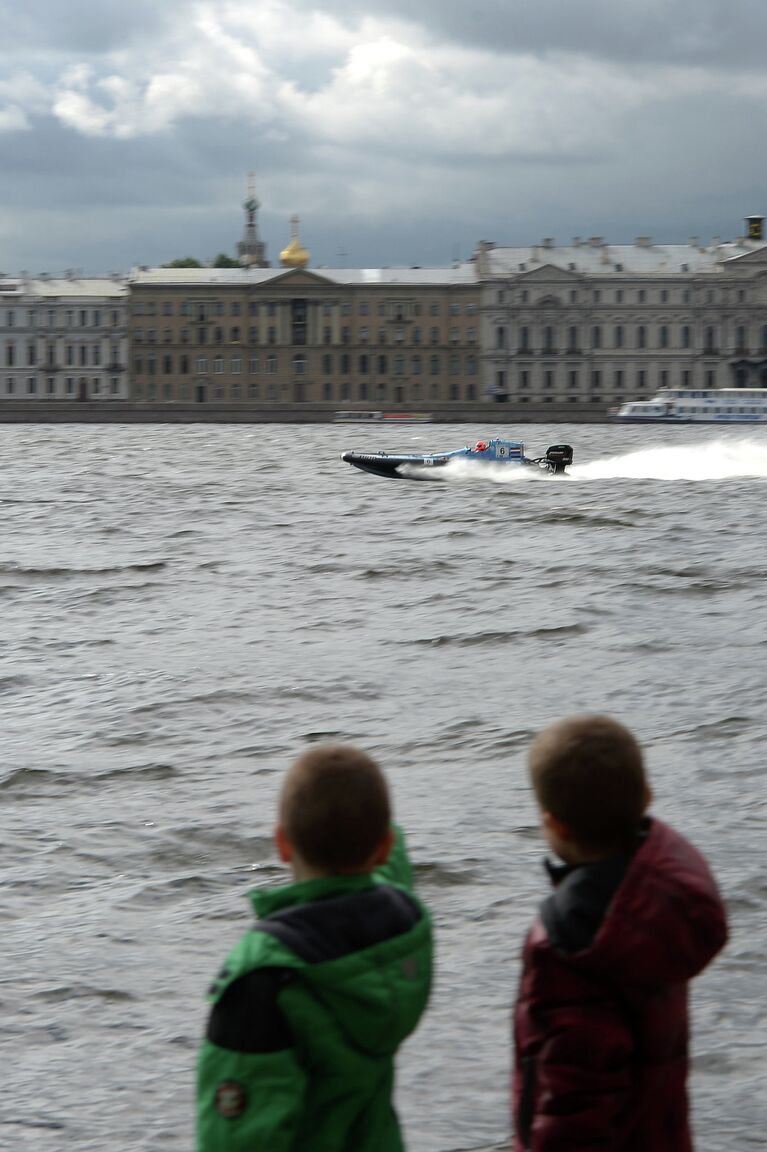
x=401, y=133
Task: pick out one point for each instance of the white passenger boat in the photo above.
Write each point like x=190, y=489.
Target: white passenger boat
x=697, y=406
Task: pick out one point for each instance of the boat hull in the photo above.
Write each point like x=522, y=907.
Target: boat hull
x=424, y=466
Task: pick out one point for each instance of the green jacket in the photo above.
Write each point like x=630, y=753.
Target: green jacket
x=307, y=1015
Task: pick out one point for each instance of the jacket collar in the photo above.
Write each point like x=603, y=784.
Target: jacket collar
x=266, y=901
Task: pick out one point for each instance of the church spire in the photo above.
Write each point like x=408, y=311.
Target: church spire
x=251, y=250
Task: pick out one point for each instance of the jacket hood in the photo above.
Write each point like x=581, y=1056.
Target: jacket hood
x=376, y=997
x=666, y=920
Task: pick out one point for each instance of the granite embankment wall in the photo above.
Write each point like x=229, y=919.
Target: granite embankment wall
x=108, y=412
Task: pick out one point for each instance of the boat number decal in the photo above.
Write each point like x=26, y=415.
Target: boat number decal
x=427, y=461
x=502, y=451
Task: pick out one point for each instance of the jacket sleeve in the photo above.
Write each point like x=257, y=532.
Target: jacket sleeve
x=250, y=1085
x=397, y=869
x=574, y=1056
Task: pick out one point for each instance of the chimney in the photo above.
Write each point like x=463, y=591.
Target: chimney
x=643, y=242
x=755, y=227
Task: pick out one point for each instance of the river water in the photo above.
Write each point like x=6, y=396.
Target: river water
x=184, y=609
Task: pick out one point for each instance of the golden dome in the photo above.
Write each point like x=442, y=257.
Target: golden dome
x=294, y=256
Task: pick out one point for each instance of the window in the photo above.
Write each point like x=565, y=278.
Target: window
x=524, y=339
x=434, y=308
x=619, y=296
x=167, y=308
x=572, y=339
x=382, y=366
x=364, y=363
x=455, y=365
x=434, y=336
x=500, y=337
x=271, y=335
x=235, y=365
x=234, y=309
x=345, y=364
x=299, y=364
x=471, y=335
x=663, y=336
x=364, y=308
x=327, y=364
x=271, y=365
x=218, y=364
x=253, y=390
x=253, y=365
x=183, y=365
x=641, y=379
x=31, y=385
x=234, y=335
x=218, y=335
x=434, y=365
x=596, y=337
x=202, y=363
x=618, y=380
x=740, y=336
x=548, y=339
x=618, y=336
x=572, y=380
x=685, y=336
x=664, y=296
x=596, y=296
x=641, y=336
x=399, y=365
x=641, y=295
x=167, y=365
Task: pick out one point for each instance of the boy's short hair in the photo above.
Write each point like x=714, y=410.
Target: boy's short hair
x=588, y=772
x=335, y=808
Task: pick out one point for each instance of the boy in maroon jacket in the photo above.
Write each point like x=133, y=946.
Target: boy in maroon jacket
x=601, y=1022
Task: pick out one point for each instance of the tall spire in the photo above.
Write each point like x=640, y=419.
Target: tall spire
x=251, y=250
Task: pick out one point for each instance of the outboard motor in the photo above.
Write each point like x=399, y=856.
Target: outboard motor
x=558, y=456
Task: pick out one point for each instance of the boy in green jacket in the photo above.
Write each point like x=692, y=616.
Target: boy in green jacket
x=314, y=1001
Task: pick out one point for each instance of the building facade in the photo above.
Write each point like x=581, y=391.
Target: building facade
x=377, y=337
x=597, y=324
x=63, y=339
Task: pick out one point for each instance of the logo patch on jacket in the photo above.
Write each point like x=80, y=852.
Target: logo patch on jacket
x=230, y=1099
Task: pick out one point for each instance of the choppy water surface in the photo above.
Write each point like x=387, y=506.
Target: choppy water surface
x=185, y=609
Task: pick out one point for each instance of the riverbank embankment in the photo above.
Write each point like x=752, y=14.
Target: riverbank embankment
x=120, y=412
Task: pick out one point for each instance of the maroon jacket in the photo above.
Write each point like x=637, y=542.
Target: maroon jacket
x=600, y=1026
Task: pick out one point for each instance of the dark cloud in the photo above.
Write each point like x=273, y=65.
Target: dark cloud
x=84, y=27
x=731, y=34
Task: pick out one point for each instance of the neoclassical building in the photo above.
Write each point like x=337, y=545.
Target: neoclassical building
x=378, y=337
x=592, y=323
x=63, y=339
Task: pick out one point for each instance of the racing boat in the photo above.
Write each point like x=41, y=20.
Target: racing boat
x=422, y=465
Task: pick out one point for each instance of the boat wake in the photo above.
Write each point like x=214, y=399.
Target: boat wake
x=714, y=460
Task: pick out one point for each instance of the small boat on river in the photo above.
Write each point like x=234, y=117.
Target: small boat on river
x=426, y=465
